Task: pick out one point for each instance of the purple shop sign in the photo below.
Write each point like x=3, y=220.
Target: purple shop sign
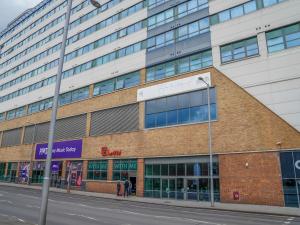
x=63, y=149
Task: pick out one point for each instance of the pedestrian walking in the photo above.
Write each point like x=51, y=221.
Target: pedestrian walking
x=118, y=188
x=126, y=187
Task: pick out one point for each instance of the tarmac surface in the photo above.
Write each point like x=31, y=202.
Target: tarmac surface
x=22, y=206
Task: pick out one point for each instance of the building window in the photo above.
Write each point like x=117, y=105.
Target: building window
x=11, y=171
x=40, y=106
x=290, y=169
x=15, y=113
x=124, y=169
x=118, y=83
x=2, y=116
x=190, y=63
x=2, y=171
x=186, y=180
x=97, y=170
x=239, y=50
x=283, y=38
x=180, y=109
x=73, y=96
x=24, y=170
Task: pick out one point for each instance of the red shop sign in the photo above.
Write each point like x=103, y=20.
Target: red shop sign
x=105, y=151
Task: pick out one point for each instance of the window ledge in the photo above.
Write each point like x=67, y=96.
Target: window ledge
x=178, y=125
x=238, y=60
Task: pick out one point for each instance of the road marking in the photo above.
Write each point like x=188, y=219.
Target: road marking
x=23, y=221
x=83, y=216
x=7, y=201
x=291, y=218
x=28, y=196
x=32, y=206
x=287, y=222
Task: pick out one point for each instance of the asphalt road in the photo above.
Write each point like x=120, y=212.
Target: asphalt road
x=21, y=206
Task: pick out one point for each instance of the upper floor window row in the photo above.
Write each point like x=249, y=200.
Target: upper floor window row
x=283, y=38
x=89, y=31
x=32, y=48
x=55, y=22
x=93, y=13
x=85, y=49
x=104, y=23
x=35, y=34
x=25, y=64
x=176, y=12
x=35, y=23
x=15, y=113
x=155, y=3
x=239, y=50
x=78, y=69
x=184, y=108
x=178, y=34
x=241, y=10
x=16, y=24
x=186, y=64
x=104, y=87
x=121, y=82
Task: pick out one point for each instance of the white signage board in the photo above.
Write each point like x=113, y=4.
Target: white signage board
x=174, y=87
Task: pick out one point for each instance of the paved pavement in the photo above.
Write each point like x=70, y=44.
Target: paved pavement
x=21, y=206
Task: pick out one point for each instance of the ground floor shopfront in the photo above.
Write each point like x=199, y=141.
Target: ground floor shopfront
x=269, y=178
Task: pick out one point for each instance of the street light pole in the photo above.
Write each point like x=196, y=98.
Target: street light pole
x=45, y=190
x=209, y=144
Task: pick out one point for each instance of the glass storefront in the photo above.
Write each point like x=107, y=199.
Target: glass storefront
x=181, y=178
x=290, y=169
x=38, y=172
x=74, y=173
x=11, y=171
x=2, y=171
x=97, y=170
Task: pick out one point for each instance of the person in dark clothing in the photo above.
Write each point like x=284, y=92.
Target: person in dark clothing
x=118, y=188
x=126, y=188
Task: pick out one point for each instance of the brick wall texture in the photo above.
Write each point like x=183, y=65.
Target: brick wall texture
x=243, y=125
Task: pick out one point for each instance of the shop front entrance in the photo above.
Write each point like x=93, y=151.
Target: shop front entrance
x=185, y=178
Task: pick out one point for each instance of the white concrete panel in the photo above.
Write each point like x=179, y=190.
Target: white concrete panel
x=173, y=87
x=220, y=5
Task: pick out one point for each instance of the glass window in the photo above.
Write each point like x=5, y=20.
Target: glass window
x=97, y=170
x=224, y=16
x=237, y=11
x=239, y=50
x=250, y=7
x=283, y=38
x=179, y=109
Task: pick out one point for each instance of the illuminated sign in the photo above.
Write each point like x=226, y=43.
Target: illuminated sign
x=105, y=151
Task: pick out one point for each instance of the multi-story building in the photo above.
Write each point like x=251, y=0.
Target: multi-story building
x=132, y=105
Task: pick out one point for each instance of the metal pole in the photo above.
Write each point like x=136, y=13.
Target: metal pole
x=209, y=145
x=210, y=150
x=45, y=190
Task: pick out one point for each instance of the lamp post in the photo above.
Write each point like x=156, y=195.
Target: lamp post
x=46, y=182
x=209, y=144
x=32, y=148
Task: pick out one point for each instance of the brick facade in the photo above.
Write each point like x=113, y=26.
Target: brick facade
x=256, y=177
x=243, y=125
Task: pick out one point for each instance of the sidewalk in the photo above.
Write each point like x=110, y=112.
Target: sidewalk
x=286, y=211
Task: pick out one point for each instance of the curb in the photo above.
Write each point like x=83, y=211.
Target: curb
x=270, y=210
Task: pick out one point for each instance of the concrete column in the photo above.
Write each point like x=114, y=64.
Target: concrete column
x=91, y=90
x=18, y=169
x=140, y=178
x=1, y=134
x=143, y=76
x=261, y=39
x=88, y=124
x=63, y=170
x=84, y=169
x=141, y=115
x=22, y=134
x=110, y=170
x=6, y=168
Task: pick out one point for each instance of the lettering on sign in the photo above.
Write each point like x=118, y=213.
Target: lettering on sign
x=105, y=151
x=297, y=164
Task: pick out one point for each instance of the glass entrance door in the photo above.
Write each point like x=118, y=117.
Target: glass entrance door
x=191, y=188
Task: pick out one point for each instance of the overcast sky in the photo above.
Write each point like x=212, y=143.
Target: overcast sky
x=10, y=9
